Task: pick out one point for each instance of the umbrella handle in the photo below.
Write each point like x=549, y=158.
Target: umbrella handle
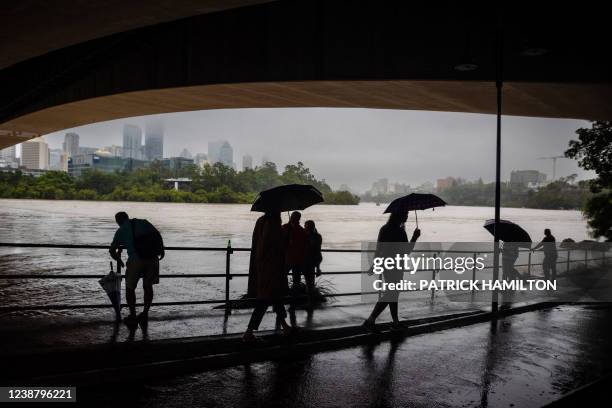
x=417, y=218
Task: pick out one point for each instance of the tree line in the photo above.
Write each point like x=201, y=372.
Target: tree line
x=562, y=194
x=215, y=183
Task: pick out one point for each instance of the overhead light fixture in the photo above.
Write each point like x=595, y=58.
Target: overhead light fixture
x=534, y=52
x=467, y=67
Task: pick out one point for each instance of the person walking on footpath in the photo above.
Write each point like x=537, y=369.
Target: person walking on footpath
x=145, y=248
x=269, y=284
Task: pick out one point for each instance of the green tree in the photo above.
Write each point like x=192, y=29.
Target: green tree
x=214, y=183
x=101, y=183
x=341, y=198
x=593, y=150
x=300, y=174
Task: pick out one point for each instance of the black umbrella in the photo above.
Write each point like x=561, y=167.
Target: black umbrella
x=508, y=231
x=413, y=202
x=111, y=283
x=287, y=198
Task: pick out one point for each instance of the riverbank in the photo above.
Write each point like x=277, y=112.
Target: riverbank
x=562, y=194
x=210, y=184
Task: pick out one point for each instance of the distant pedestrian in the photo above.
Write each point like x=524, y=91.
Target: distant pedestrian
x=548, y=244
x=312, y=260
x=392, y=232
x=145, y=248
x=269, y=276
x=510, y=253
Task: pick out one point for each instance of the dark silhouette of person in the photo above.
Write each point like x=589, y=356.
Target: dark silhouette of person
x=270, y=276
x=145, y=248
x=510, y=253
x=312, y=260
x=392, y=232
x=296, y=250
x=549, y=264
x=255, y=242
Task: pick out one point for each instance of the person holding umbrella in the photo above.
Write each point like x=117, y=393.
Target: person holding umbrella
x=513, y=237
x=393, y=231
x=267, y=272
x=268, y=283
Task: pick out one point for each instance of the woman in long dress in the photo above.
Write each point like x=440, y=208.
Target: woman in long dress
x=267, y=275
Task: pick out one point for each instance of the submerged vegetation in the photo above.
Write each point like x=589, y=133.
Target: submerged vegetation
x=211, y=184
x=562, y=194
x=565, y=194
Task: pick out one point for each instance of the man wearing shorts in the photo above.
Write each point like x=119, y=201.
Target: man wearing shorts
x=143, y=265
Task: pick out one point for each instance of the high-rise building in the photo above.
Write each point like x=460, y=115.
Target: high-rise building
x=71, y=144
x=55, y=159
x=154, y=140
x=8, y=157
x=114, y=150
x=530, y=178
x=132, y=142
x=200, y=159
x=81, y=163
x=226, y=155
x=9, y=153
x=35, y=154
x=213, y=150
x=247, y=162
x=186, y=154
x=87, y=150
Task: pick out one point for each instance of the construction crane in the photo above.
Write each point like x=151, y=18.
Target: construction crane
x=554, y=161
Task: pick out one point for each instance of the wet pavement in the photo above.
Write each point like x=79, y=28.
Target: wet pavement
x=525, y=360
x=32, y=331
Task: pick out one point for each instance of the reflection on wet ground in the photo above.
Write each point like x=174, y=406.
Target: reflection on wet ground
x=47, y=329
x=524, y=360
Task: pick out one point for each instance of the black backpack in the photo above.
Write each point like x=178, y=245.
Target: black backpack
x=147, y=243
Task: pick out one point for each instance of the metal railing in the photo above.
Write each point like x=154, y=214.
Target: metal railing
x=228, y=275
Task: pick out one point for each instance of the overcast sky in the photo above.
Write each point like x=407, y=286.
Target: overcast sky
x=358, y=146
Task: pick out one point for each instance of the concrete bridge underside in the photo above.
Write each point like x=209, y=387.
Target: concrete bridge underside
x=304, y=53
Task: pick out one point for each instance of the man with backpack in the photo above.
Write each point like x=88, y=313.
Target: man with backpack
x=145, y=249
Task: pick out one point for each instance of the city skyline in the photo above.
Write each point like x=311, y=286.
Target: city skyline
x=344, y=145
x=215, y=153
